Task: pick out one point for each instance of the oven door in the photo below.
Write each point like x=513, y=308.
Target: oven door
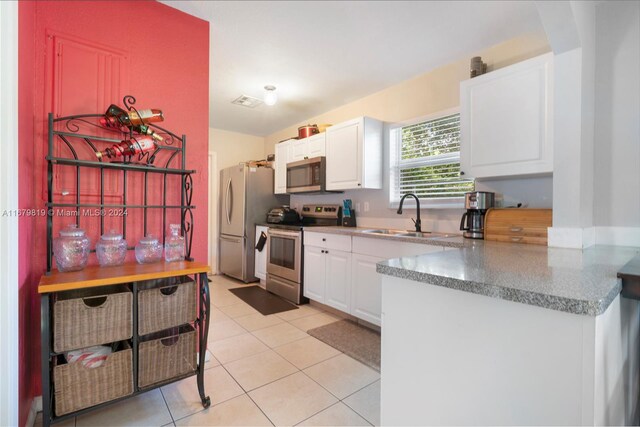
x=306, y=176
x=284, y=254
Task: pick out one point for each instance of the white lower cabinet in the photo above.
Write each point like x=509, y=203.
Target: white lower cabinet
x=366, y=288
x=327, y=273
x=338, y=279
x=314, y=273
x=346, y=278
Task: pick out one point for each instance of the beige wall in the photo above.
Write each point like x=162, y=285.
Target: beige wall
x=233, y=147
x=434, y=91
x=429, y=93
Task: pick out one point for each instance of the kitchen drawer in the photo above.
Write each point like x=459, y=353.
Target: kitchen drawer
x=518, y=225
x=519, y=239
x=328, y=241
x=519, y=230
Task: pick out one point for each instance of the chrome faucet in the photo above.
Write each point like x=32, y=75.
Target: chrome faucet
x=416, y=221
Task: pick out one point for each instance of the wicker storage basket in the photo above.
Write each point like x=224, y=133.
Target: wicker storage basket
x=77, y=387
x=92, y=317
x=163, y=356
x=163, y=304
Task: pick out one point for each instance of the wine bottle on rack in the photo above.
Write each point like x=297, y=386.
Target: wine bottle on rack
x=128, y=147
x=141, y=117
x=146, y=130
x=133, y=117
x=109, y=122
x=115, y=116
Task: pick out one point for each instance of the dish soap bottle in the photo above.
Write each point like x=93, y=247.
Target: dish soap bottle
x=174, y=245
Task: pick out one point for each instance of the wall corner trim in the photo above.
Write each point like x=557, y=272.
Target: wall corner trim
x=618, y=236
x=36, y=406
x=571, y=237
x=581, y=238
x=10, y=404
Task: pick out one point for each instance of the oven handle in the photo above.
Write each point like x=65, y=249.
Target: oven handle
x=282, y=233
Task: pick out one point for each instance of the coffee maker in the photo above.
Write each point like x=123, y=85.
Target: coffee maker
x=477, y=203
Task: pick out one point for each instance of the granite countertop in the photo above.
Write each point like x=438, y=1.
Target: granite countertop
x=446, y=240
x=571, y=280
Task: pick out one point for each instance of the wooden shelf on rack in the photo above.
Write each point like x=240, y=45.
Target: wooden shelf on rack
x=95, y=275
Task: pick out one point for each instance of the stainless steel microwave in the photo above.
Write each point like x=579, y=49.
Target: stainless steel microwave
x=306, y=176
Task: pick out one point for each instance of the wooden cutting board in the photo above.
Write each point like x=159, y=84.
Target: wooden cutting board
x=517, y=225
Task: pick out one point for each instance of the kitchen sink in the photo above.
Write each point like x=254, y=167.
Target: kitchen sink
x=405, y=233
x=384, y=231
x=416, y=234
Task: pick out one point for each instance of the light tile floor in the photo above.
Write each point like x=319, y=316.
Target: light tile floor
x=265, y=370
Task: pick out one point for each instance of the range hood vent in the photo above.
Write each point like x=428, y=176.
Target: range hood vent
x=247, y=101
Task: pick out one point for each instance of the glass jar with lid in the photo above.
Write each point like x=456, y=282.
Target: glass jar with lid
x=148, y=250
x=71, y=249
x=174, y=246
x=111, y=249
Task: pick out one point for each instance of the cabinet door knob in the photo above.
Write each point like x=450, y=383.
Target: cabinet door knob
x=324, y=240
x=461, y=173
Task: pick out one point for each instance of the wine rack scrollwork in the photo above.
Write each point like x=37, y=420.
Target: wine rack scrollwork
x=76, y=140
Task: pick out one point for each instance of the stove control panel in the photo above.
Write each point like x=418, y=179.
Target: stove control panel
x=322, y=211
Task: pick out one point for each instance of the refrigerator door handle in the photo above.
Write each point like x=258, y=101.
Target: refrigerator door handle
x=228, y=239
x=226, y=202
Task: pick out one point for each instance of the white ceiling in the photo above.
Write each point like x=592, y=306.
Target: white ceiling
x=323, y=54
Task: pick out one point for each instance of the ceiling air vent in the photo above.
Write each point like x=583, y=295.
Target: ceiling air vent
x=247, y=101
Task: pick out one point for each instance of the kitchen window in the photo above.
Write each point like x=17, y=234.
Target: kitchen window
x=425, y=160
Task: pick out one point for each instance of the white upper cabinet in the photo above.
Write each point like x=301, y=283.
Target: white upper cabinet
x=299, y=150
x=313, y=146
x=506, y=120
x=282, y=152
x=354, y=154
x=316, y=144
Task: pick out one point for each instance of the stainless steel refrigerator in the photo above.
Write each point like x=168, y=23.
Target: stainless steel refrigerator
x=246, y=196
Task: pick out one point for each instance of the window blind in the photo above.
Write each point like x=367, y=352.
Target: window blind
x=428, y=160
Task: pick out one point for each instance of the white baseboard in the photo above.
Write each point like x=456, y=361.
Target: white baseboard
x=618, y=236
x=580, y=238
x=36, y=406
x=570, y=237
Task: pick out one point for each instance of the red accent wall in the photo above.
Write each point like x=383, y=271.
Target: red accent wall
x=168, y=68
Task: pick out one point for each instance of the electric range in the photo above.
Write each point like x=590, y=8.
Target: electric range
x=284, y=250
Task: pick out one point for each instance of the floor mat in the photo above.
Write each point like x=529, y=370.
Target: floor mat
x=359, y=342
x=265, y=302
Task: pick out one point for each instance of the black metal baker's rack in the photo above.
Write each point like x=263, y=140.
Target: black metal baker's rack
x=70, y=132
x=77, y=146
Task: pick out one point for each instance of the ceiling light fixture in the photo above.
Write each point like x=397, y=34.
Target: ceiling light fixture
x=270, y=95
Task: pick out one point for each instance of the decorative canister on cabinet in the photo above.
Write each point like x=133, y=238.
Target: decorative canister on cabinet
x=111, y=249
x=71, y=249
x=148, y=250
